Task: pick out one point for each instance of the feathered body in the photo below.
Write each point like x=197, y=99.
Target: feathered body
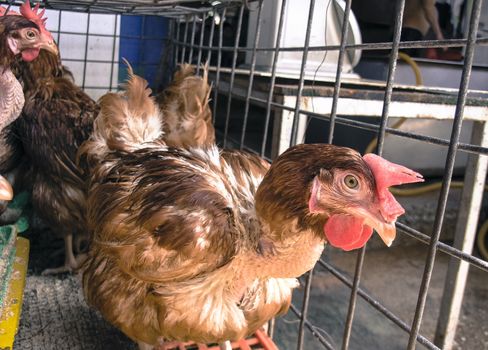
x=11, y=104
x=178, y=234
x=57, y=118
x=175, y=253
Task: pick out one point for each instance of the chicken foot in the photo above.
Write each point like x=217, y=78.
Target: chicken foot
x=225, y=345
x=173, y=345
x=71, y=262
x=80, y=243
x=144, y=346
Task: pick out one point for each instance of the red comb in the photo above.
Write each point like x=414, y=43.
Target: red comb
x=35, y=16
x=388, y=174
x=3, y=12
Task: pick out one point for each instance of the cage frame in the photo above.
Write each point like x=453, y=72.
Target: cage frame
x=179, y=11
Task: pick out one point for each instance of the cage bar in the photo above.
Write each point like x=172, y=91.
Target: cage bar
x=251, y=76
x=185, y=35
x=188, y=48
x=340, y=64
x=301, y=80
x=200, y=43
x=449, y=168
x=210, y=39
x=305, y=305
x=232, y=75
x=457, y=272
x=273, y=78
x=192, y=40
x=86, y=51
x=219, y=62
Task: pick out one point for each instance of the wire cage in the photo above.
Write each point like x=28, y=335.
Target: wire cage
x=277, y=83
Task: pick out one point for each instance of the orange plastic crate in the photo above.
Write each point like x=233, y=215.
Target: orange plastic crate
x=259, y=341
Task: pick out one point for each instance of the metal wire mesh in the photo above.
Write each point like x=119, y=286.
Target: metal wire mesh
x=271, y=105
x=199, y=34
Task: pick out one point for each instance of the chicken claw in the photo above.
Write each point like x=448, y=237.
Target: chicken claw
x=70, y=267
x=71, y=262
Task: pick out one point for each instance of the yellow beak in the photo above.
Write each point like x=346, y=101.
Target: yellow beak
x=50, y=46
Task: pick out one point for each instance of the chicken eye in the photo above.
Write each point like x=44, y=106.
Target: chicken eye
x=31, y=34
x=351, y=181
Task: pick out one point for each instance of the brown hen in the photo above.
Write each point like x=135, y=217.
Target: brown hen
x=178, y=233
x=20, y=35
x=185, y=106
x=57, y=118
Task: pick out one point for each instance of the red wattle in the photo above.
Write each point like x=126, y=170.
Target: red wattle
x=388, y=174
x=29, y=55
x=347, y=232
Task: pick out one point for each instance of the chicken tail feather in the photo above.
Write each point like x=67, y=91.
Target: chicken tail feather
x=187, y=114
x=127, y=120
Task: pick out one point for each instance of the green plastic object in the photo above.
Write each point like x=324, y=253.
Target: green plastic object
x=20, y=201
x=22, y=224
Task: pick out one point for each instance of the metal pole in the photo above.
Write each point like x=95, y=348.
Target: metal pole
x=86, y=51
x=303, y=318
x=251, y=76
x=219, y=62
x=192, y=39
x=233, y=73
x=185, y=36
x=465, y=234
x=381, y=137
x=200, y=44
x=294, y=131
x=340, y=64
x=449, y=168
x=273, y=77
x=114, y=44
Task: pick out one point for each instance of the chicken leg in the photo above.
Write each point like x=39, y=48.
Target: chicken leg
x=225, y=345
x=144, y=346
x=71, y=263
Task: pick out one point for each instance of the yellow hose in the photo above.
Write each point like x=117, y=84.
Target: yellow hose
x=414, y=66
x=418, y=190
x=415, y=191
x=481, y=240
x=418, y=81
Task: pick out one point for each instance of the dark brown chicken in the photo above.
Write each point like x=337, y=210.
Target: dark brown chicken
x=57, y=118
x=178, y=233
x=21, y=35
x=185, y=106
x=24, y=36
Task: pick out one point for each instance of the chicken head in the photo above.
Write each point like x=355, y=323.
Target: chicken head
x=346, y=195
x=357, y=203
x=28, y=36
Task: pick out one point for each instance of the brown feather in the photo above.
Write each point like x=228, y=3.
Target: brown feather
x=57, y=118
x=126, y=121
x=186, y=110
